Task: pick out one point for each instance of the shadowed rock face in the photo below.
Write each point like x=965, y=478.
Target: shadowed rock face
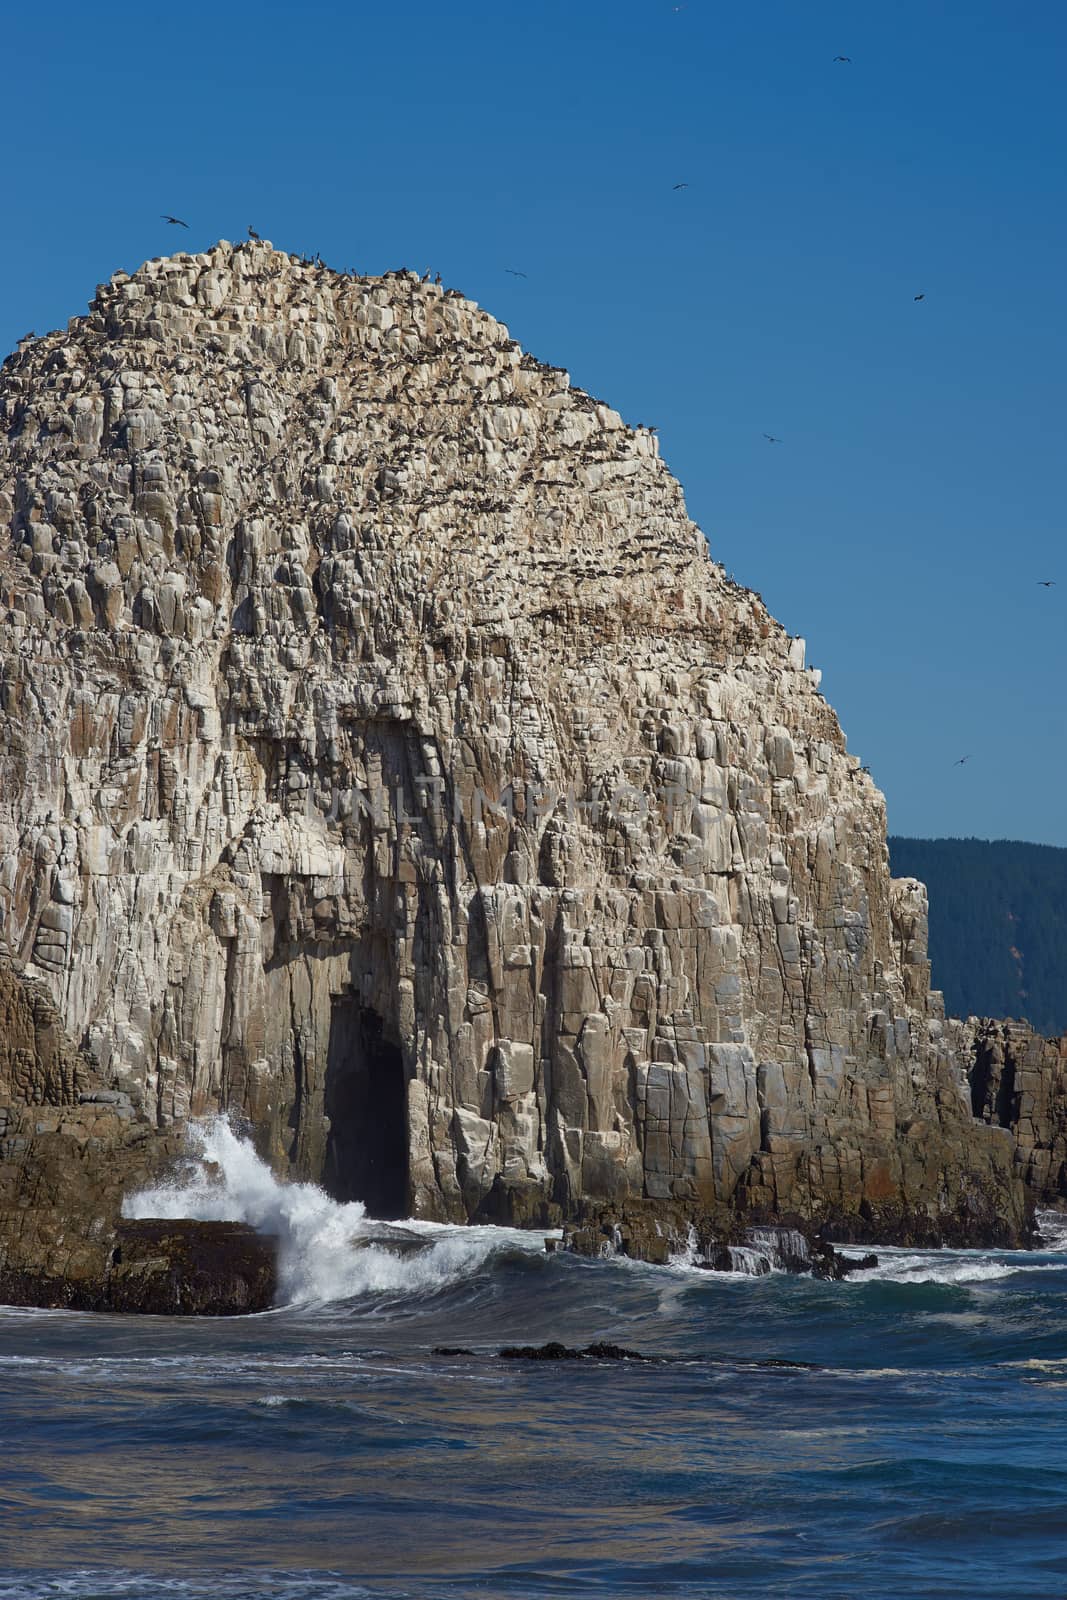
x=1019, y=1082
x=384, y=755
x=202, y=1269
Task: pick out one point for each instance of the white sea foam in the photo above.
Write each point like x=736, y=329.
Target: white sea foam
x=765, y=1250
x=326, y=1250
x=945, y=1267
x=1052, y=1226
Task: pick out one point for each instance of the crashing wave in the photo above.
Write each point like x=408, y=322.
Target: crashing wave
x=327, y=1250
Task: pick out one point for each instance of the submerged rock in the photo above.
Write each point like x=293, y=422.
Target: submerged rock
x=554, y=1351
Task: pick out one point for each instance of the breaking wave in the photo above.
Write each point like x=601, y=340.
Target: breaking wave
x=946, y=1267
x=327, y=1250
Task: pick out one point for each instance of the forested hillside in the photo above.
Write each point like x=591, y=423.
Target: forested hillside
x=998, y=925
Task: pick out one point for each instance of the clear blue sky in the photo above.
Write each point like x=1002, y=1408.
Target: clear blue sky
x=917, y=496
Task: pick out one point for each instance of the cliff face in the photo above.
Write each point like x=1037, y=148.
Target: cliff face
x=384, y=756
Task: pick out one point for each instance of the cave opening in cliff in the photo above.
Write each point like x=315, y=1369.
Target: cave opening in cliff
x=366, y=1102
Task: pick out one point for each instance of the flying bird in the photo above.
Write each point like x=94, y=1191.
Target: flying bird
x=680, y=186
x=252, y=234
x=175, y=222
x=1046, y=583
x=513, y=273
x=920, y=297
x=847, y=59
x=961, y=762
x=771, y=438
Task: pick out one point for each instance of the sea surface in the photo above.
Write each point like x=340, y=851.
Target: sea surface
x=900, y=1434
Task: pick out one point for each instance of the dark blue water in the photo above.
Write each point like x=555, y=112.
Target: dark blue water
x=323, y=1451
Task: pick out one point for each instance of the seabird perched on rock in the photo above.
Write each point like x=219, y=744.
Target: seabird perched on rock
x=252, y=234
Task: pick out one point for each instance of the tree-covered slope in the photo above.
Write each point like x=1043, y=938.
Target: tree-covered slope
x=998, y=925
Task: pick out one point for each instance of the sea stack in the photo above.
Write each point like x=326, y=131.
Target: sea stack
x=385, y=758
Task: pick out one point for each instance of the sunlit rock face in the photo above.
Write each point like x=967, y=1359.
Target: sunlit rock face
x=385, y=757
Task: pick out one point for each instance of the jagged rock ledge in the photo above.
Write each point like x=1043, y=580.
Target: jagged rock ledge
x=724, y=1243
x=172, y=1268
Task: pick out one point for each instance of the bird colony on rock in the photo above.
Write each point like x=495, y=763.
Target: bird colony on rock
x=385, y=759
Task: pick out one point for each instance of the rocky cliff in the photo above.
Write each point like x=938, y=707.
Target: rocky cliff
x=384, y=756
x=1019, y=1082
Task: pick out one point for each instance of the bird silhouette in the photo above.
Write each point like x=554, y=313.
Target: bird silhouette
x=847, y=59
x=962, y=761
x=1046, y=583
x=252, y=234
x=514, y=274
x=680, y=186
x=771, y=438
x=920, y=297
x=176, y=222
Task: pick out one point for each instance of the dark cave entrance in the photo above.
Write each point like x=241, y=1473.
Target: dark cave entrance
x=366, y=1102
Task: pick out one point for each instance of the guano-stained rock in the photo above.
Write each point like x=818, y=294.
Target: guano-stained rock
x=384, y=756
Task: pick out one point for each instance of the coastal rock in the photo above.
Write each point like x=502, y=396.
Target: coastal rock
x=726, y=1242
x=554, y=1351
x=191, y=1269
x=384, y=758
x=1019, y=1083
x=172, y=1269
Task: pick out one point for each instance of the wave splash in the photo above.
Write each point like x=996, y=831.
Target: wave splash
x=327, y=1249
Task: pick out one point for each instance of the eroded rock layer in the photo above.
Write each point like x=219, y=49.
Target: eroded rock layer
x=384, y=755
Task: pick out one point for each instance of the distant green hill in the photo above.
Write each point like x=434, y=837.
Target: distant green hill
x=998, y=925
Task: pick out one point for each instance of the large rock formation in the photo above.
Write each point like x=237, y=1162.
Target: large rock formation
x=384, y=755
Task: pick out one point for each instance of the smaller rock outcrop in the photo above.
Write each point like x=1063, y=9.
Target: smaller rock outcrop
x=173, y=1268
x=720, y=1243
x=1019, y=1082
x=70, y=1148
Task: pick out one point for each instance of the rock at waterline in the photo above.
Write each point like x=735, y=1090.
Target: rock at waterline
x=163, y=1268
x=554, y=1351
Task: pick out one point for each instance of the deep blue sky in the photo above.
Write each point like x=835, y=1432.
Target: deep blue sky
x=916, y=499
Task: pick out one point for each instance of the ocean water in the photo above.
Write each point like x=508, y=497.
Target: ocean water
x=900, y=1434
